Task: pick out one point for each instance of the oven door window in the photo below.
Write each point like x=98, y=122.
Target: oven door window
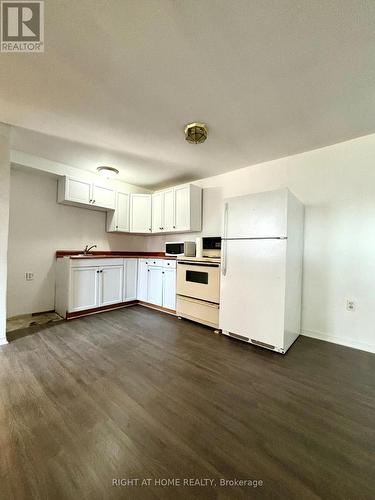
x=197, y=277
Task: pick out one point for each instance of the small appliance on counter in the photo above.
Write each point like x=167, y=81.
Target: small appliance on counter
x=180, y=248
x=211, y=246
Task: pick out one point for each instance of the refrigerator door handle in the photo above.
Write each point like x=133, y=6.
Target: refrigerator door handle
x=224, y=242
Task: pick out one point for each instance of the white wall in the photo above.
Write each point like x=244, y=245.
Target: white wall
x=4, y=223
x=38, y=227
x=337, y=185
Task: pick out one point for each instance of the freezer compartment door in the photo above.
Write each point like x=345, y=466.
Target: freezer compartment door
x=259, y=215
x=252, y=291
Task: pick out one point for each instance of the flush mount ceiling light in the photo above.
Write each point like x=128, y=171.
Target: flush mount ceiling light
x=107, y=172
x=196, y=133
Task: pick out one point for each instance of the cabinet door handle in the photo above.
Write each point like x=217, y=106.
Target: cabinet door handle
x=149, y=229
x=174, y=227
x=97, y=271
x=93, y=201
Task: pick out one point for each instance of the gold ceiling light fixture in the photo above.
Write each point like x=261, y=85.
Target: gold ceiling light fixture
x=196, y=133
x=107, y=172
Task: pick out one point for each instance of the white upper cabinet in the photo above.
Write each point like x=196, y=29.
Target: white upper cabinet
x=123, y=204
x=182, y=208
x=168, y=210
x=173, y=210
x=140, y=213
x=177, y=209
x=157, y=212
x=79, y=192
x=103, y=196
x=118, y=221
x=76, y=190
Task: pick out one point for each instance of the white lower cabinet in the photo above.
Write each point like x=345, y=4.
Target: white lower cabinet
x=111, y=284
x=142, y=280
x=155, y=285
x=169, y=288
x=84, y=289
x=86, y=284
x=157, y=282
x=95, y=286
x=130, y=281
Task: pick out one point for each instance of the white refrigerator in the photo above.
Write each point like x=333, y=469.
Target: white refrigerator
x=261, y=282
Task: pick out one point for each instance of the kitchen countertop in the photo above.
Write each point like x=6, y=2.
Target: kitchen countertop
x=77, y=254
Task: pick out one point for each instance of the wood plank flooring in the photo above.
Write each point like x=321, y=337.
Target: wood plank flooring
x=138, y=394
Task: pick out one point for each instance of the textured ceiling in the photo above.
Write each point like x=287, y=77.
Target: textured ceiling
x=119, y=80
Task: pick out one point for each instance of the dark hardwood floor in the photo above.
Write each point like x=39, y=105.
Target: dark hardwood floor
x=137, y=394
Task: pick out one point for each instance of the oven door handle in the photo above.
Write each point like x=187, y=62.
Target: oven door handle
x=197, y=264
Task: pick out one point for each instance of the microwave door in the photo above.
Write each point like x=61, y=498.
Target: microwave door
x=174, y=248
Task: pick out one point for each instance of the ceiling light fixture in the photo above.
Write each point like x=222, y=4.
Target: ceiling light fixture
x=196, y=133
x=107, y=172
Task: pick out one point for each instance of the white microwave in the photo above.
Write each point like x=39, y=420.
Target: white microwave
x=180, y=248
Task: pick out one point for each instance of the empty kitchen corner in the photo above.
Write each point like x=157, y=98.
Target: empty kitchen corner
x=187, y=250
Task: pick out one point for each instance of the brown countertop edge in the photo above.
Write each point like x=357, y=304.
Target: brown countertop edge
x=108, y=254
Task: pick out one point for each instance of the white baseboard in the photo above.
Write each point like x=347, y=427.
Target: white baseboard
x=339, y=340
x=3, y=341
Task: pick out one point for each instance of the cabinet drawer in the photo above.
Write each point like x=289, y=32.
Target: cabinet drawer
x=155, y=262
x=198, y=310
x=169, y=264
x=96, y=262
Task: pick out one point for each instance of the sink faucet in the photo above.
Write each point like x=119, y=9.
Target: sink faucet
x=87, y=249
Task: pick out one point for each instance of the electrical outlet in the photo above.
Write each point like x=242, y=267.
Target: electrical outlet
x=350, y=305
x=29, y=276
